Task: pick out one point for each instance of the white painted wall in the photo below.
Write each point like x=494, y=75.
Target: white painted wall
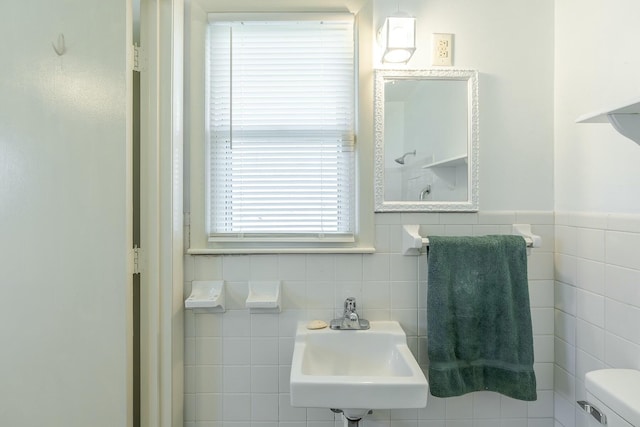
x=511, y=45
x=64, y=215
x=597, y=66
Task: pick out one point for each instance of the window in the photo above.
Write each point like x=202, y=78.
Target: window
x=280, y=135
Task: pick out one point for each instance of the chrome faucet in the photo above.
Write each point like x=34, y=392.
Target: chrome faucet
x=350, y=319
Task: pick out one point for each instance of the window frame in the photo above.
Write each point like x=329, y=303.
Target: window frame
x=198, y=241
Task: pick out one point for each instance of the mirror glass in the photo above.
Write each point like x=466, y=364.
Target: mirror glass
x=426, y=140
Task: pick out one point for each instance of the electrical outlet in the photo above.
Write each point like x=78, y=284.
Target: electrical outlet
x=442, y=49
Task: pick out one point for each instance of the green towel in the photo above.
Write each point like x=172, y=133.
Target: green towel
x=478, y=317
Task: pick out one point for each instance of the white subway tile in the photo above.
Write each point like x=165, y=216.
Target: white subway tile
x=590, y=307
x=620, y=353
x=459, y=407
x=565, y=269
x=565, y=298
x=540, y=266
x=565, y=355
x=484, y=230
x=458, y=230
x=585, y=362
x=395, y=239
x=435, y=409
x=535, y=217
x=623, y=284
x=388, y=218
x=235, y=295
x=565, y=327
x=590, y=338
x=208, y=324
x=461, y=218
x=543, y=407
x=264, y=267
x=542, y=321
x=320, y=295
x=544, y=375
x=564, y=411
x=408, y=319
x=236, y=351
x=590, y=276
x=382, y=240
x=209, y=406
x=237, y=379
x=321, y=267
x=284, y=374
x=543, y=348
x=288, y=321
x=348, y=267
x=286, y=412
x=264, y=351
x=541, y=293
x=264, y=379
x=403, y=414
x=208, y=351
x=294, y=294
x=590, y=244
x=624, y=222
x=564, y=383
x=376, y=267
x=237, y=323
x=237, y=407
x=189, y=379
x=623, y=320
x=403, y=268
x=512, y=408
x=547, y=234
x=264, y=324
x=589, y=220
x=236, y=268
x=622, y=249
x=189, y=351
x=404, y=295
x=376, y=295
x=292, y=267
x=497, y=217
x=486, y=404
x=565, y=240
x=207, y=267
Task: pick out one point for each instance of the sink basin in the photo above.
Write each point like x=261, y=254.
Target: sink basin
x=356, y=370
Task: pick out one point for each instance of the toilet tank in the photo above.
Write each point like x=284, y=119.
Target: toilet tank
x=614, y=393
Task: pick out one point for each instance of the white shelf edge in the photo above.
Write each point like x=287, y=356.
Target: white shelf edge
x=625, y=119
x=631, y=107
x=453, y=161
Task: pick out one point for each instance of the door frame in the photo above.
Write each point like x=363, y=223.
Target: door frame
x=161, y=214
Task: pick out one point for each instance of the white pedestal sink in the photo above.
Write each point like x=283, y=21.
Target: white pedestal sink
x=356, y=370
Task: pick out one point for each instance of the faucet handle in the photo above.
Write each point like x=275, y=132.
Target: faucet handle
x=350, y=304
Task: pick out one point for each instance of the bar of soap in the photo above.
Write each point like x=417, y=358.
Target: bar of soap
x=317, y=324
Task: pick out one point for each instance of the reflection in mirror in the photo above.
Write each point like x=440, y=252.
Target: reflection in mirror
x=426, y=140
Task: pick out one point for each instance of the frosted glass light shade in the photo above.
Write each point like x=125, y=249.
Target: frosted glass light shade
x=398, y=37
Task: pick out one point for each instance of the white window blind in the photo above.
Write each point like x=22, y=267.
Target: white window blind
x=281, y=129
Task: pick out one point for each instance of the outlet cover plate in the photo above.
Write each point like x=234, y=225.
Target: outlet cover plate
x=442, y=49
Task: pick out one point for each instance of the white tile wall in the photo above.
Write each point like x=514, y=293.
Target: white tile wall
x=238, y=363
x=597, y=303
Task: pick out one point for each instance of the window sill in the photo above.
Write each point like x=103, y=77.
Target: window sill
x=240, y=251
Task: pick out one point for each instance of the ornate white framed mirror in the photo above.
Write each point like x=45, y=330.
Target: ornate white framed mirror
x=426, y=140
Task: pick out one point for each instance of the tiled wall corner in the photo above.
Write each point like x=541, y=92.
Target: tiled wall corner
x=597, y=302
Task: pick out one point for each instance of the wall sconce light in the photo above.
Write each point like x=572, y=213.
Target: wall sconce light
x=398, y=38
